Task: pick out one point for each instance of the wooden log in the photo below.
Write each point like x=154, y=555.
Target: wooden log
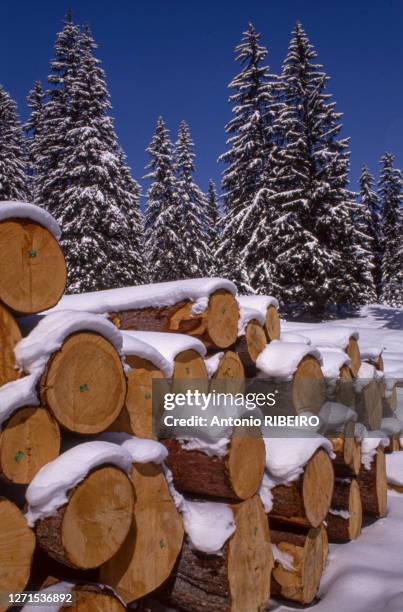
x=369, y=406
x=148, y=555
x=217, y=327
x=28, y=440
x=373, y=486
x=235, y=477
x=306, y=501
x=91, y=527
x=272, y=324
x=84, y=384
x=250, y=345
x=353, y=351
x=394, y=445
x=389, y=400
x=344, y=520
x=348, y=452
x=308, y=386
x=230, y=375
x=88, y=596
x=17, y=544
x=189, y=373
x=305, y=550
x=236, y=581
x=32, y=268
x=10, y=335
x=345, y=393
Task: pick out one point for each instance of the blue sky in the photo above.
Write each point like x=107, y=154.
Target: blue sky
x=175, y=58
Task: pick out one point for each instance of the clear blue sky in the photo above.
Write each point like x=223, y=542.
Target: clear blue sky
x=175, y=58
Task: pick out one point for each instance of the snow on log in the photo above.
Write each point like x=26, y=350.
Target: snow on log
x=268, y=307
x=17, y=544
x=344, y=520
x=10, y=335
x=226, y=372
x=88, y=596
x=156, y=533
x=394, y=470
x=299, y=559
x=201, y=307
x=237, y=579
x=235, y=474
x=32, y=268
x=76, y=358
x=82, y=504
x=299, y=363
x=372, y=480
x=252, y=339
x=339, y=425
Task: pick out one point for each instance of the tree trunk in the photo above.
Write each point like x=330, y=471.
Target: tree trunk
x=236, y=581
x=344, y=520
x=353, y=351
x=272, y=324
x=10, y=335
x=148, y=555
x=306, y=501
x=32, y=268
x=250, y=345
x=17, y=544
x=28, y=440
x=217, y=327
x=235, y=477
x=91, y=527
x=84, y=384
x=305, y=553
x=230, y=375
x=373, y=486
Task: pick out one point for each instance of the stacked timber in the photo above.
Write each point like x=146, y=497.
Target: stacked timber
x=268, y=308
x=251, y=338
x=87, y=596
x=372, y=479
x=344, y=520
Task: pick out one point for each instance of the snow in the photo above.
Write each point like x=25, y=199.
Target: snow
x=369, y=446
x=325, y=335
x=55, y=589
x=156, y=295
x=23, y=210
x=33, y=352
x=257, y=302
x=213, y=363
x=213, y=447
x=285, y=559
x=281, y=359
x=369, y=351
x=293, y=337
x=163, y=347
x=365, y=375
x=333, y=359
x=394, y=468
x=342, y=513
x=142, y=450
x=49, y=488
x=245, y=316
x=17, y=394
x=286, y=457
x=208, y=525
x=391, y=426
x=334, y=415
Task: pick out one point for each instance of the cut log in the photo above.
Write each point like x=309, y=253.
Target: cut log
x=272, y=324
x=17, y=544
x=305, y=552
x=308, y=386
x=32, y=267
x=235, y=477
x=148, y=555
x=250, y=345
x=348, y=453
x=353, y=351
x=369, y=406
x=344, y=520
x=394, y=445
x=88, y=596
x=10, y=335
x=217, y=326
x=230, y=375
x=345, y=393
x=236, y=581
x=189, y=373
x=389, y=400
x=84, y=384
x=306, y=501
x=29, y=439
x=91, y=527
x=373, y=486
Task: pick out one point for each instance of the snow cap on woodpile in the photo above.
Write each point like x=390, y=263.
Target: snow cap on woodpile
x=334, y=415
x=17, y=394
x=141, y=450
x=368, y=351
x=48, y=490
x=33, y=352
x=160, y=348
x=370, y=441
x=329, y=335
x=246, y=315
x=213, y=363
x=155, y=295
x=257, y=302
x=24, y=210
x=394, y=468
x=294, y=337
x=392, y=426
x=281, y=359
x=333, y=359
x=366, y=374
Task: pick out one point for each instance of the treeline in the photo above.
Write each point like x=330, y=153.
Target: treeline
x=290, y=225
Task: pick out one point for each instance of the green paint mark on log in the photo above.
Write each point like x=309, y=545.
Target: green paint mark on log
x=19, y=455
x=83, y=388
x=32, y=254
x=162, y=544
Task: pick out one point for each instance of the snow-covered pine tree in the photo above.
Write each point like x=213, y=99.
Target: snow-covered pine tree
x=13, y=176
x=213, y=226
x=96, y=232
x=164, y=248
x=33, y=130
x=248, y=155
x=391, y=196
x=192, y=209
x=315, y=265
x=370, y=214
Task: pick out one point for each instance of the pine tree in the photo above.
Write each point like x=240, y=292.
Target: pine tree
x=390, y=195
x=249, y=152
x=213, y=226
x=315, y=259
x=370, y=215
x=34, y=131
x=13, y=177
x=192, y=208
x=164, y=247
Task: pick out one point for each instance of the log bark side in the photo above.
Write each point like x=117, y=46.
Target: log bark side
x=250, y=345
x=10, y=335
x=373, y=486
